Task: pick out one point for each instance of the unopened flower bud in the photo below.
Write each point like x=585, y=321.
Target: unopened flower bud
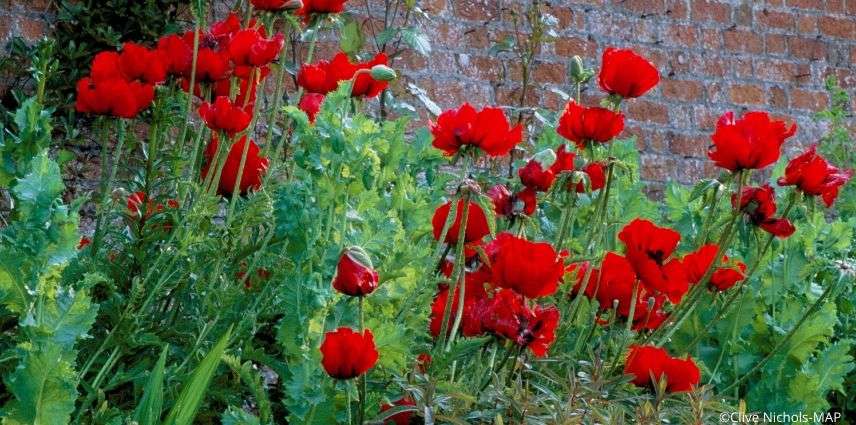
x=383, y=73
x=576, y=68
x=292, y=5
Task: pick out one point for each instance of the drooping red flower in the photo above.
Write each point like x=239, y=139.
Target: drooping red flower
x=697, y=262
x=508, y=316
x=354, y=274
x=84, y=242
x=507, y=204
x=250, y=48
x=814, y=176
x=255, y=166
x=724, y=278
x=471, y=321
x=487, y=129
x=402, y=418
x=175, y=54
x=759, y=205
x=625, y=73
x=645, y=363
x=115, y=97
x=535, y=176
x=225, y=115
x=477, y=226
x=533, y=269
x=347, y=354
x=583, y=125
x=649, y=249
x=321, y=6
x=310, y=103
x=364, y=85
x=596, y=177
x=752, y=142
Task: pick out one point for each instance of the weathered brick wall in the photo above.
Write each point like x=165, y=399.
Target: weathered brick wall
x=714, y=56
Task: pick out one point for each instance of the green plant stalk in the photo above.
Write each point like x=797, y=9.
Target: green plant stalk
x=459, y=275
x=192, y=87
x=105, y=185
x=273, y=114
x=632, y=314
x=236, y=191
x=362, y=385
x=96, y=383
x=568, y=217
x=813, y=309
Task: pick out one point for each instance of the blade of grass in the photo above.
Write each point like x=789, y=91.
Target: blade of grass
x=148, y=412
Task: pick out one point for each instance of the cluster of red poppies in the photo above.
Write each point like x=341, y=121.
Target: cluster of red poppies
x=322, y=77
x=121, y=84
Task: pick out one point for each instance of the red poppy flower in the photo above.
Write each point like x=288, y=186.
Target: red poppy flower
x=115, y=97
x=225, y=115
x=507, y=204
x=649, y=249
x=811, y=174
x=249, y=47
x=320, y=77
x=175, y=54
x=533, y=269
x=759, y=204
x=139, y=63
x=212, y=66
x=140, y=206
x=223, y=30
x=84, y=242
x=724, y=278
x=477, y=226
x=321, y=6
x=508, y=316
x=246, y=87
x=564, y=160
x=527, y=198
x=625, y=73
x=596, y=177
x=311, y=103
x=354, y=274
x=402, y=418
x=364, y=84
x=255, y=166
x=645, y=363
x=471, y=321
x=682, y=375
x=751, y=142
x=487, y=129
x=346, y=354
x=583, y=125
x=536, y=177
x=697, y=262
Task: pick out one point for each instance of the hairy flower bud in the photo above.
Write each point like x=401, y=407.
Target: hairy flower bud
x=383, y=73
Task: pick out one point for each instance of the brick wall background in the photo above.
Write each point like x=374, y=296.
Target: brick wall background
x=714, y=56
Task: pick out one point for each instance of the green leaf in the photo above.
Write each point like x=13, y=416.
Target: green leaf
x=193, y=393
x=65, y=318
x=236, y=416
x=351, y=40
x=44, y=385
x=416, y=40
x=38, y=189
x=824, y=374
x=148, y=411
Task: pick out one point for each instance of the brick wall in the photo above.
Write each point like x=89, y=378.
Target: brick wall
x=714, y=56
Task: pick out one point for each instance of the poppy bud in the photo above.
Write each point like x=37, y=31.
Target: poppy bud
x=355, y=275
x=383, y=73
x=578, y=73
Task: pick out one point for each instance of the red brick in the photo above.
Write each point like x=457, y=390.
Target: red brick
x=711, y=65
x=711, y=39
x=476, y=10
x=743, y=14
x=747, y=94
x=838, y=27
x=775, y=44
x=677, y=9
x=742, y=67
x=778, y=98
x=743, y=41
x=645, y=7
x=688, y=145
x=705, y=117
x=806, y=4
x=775, y=19
x=657, y=167
x=780, y=71
x=569, y=46
x=648, y=111
x=681, y=35
x=481, y=67
x=685, y=91
x=708, y=10
x=807, y=48
x=836, y=6
x=549, y=73
x=853, y=53
x=433, y=6
x=715, y=92
x=32, y=29
x=806, y=24
x=810, y=100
